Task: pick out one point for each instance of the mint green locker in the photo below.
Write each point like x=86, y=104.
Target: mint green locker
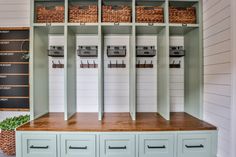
x=36, y=145
x=117, y=145
x=73, y=145
x=156, y=145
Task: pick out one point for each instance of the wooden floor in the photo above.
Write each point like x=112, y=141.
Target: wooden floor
x=116, y=122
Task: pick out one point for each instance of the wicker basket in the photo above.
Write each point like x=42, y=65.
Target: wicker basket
x=182, y=15
x=147, y=14
x=116, y=14
x=0, y=140
x=8, y=142
x=50, y=15
x=83, y=14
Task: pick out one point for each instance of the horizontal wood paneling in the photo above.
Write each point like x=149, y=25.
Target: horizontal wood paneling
x=14, y=13
x=217, y=69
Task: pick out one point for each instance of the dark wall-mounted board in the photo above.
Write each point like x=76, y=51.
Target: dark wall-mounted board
x=14, y=68
x=14, y=102
x=14, y=79
x=14, y=34
x=8, y=68
x=13, y=57
x=7, y=91
x=21, y=45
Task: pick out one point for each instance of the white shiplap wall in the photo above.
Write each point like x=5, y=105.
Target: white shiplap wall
x=177, y=78
x=217, y=69
x=14, y=13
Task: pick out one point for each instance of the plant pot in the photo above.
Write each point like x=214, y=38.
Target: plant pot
x=8, y=142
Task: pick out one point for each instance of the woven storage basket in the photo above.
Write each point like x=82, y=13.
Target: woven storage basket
x=50, y=15
x=116, y=14
x=0, y=140
x=182, y=15
x=83, y=14
x=147, y=14
x=8, y=142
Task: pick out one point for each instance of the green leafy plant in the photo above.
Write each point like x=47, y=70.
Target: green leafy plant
x=12, y=123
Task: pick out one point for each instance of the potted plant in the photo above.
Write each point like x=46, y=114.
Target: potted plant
x=8, y=127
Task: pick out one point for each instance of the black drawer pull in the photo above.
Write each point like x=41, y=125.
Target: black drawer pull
x=39, y=147
x=198, y=146
x=117, y=147
x=85, y=147
x=156, y=147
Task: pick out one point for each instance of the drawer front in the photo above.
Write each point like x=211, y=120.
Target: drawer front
x=35, y=145
x=78, y=145
x=117, y=145
x=194, y=145
x=161, y=145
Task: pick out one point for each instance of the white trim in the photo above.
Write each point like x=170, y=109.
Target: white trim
x=233, y=66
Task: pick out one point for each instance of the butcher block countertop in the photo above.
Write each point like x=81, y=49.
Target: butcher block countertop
x=88, y=122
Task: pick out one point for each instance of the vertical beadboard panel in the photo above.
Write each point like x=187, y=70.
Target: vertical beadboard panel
x=217, y=69
x=116, y=80
x=147, y=78
x=177, y=78
x=87, y=79
x=56, y=77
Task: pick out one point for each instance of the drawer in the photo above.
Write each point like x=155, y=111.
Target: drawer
x=117, y=145
x=153, y=145
x=78, y=145
x=36, y=145
x=194, y=145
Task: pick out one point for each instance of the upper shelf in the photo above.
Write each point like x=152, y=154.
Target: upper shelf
x=148, y=16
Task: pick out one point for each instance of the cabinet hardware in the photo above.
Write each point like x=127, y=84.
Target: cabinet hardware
x=87, y=51
x=117, y=147
x=145, y=65
x=88, y=65
x=59, y=65
x=56, y=51
x=85, y=147
x=194, y=146
x=145, y=51
x=177, y=51
x=117, y=65
x=39, y=147
x=116, y=24
x=174, y=65
x=156, y=147
x=116, y=51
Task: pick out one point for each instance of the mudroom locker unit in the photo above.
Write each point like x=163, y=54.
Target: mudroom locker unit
x=114, y=78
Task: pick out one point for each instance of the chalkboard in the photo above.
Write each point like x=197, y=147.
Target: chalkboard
x=13, y=57
x=14, y=80
x=14, y=102
x=14, y=34
x=14, y=68
x=14, y=45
